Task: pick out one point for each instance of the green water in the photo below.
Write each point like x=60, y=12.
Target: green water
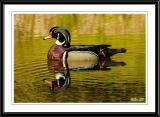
x=117, y=85
x=120, y=84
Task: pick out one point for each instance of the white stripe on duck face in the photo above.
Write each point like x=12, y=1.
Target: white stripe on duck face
x=58, y=36
x=68, y=39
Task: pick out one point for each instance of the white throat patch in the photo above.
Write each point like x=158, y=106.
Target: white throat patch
x=59, y=43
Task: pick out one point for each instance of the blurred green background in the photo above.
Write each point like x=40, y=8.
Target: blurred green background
x=120, y=84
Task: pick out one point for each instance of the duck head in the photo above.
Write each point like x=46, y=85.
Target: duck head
x=61, y=35
x=61, y=82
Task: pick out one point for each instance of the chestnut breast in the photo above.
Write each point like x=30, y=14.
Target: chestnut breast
x=56, y=53
x=55, y=56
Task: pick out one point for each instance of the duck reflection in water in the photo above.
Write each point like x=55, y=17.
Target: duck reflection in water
x=62, y=57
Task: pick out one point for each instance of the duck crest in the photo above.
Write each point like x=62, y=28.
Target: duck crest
x=61, y=28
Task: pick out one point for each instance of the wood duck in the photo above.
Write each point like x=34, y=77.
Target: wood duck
x=86, y=55
x=62, y=57
x=62, y=44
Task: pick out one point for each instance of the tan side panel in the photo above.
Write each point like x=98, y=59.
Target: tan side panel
x=82, y=59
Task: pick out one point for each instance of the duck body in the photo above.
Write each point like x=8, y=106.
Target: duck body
x=90, y=56
x=79, y=56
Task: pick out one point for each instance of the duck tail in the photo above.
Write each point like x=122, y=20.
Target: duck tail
x=121, y=50
x=110, y=52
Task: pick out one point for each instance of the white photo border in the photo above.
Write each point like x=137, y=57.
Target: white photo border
x=10, y=106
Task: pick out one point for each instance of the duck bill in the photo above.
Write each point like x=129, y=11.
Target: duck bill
x=48, y=37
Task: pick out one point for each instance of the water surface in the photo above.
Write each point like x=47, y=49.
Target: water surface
x=119, y=84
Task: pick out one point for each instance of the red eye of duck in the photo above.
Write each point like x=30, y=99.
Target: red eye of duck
x=55, y=31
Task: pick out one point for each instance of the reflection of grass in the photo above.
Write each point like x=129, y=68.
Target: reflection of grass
x=117, y=85
x=36, y=25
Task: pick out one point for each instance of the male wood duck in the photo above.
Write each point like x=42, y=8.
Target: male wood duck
x=82, y=52
x=62, y=55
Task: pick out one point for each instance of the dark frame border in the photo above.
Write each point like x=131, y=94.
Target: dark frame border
x=157, y=50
